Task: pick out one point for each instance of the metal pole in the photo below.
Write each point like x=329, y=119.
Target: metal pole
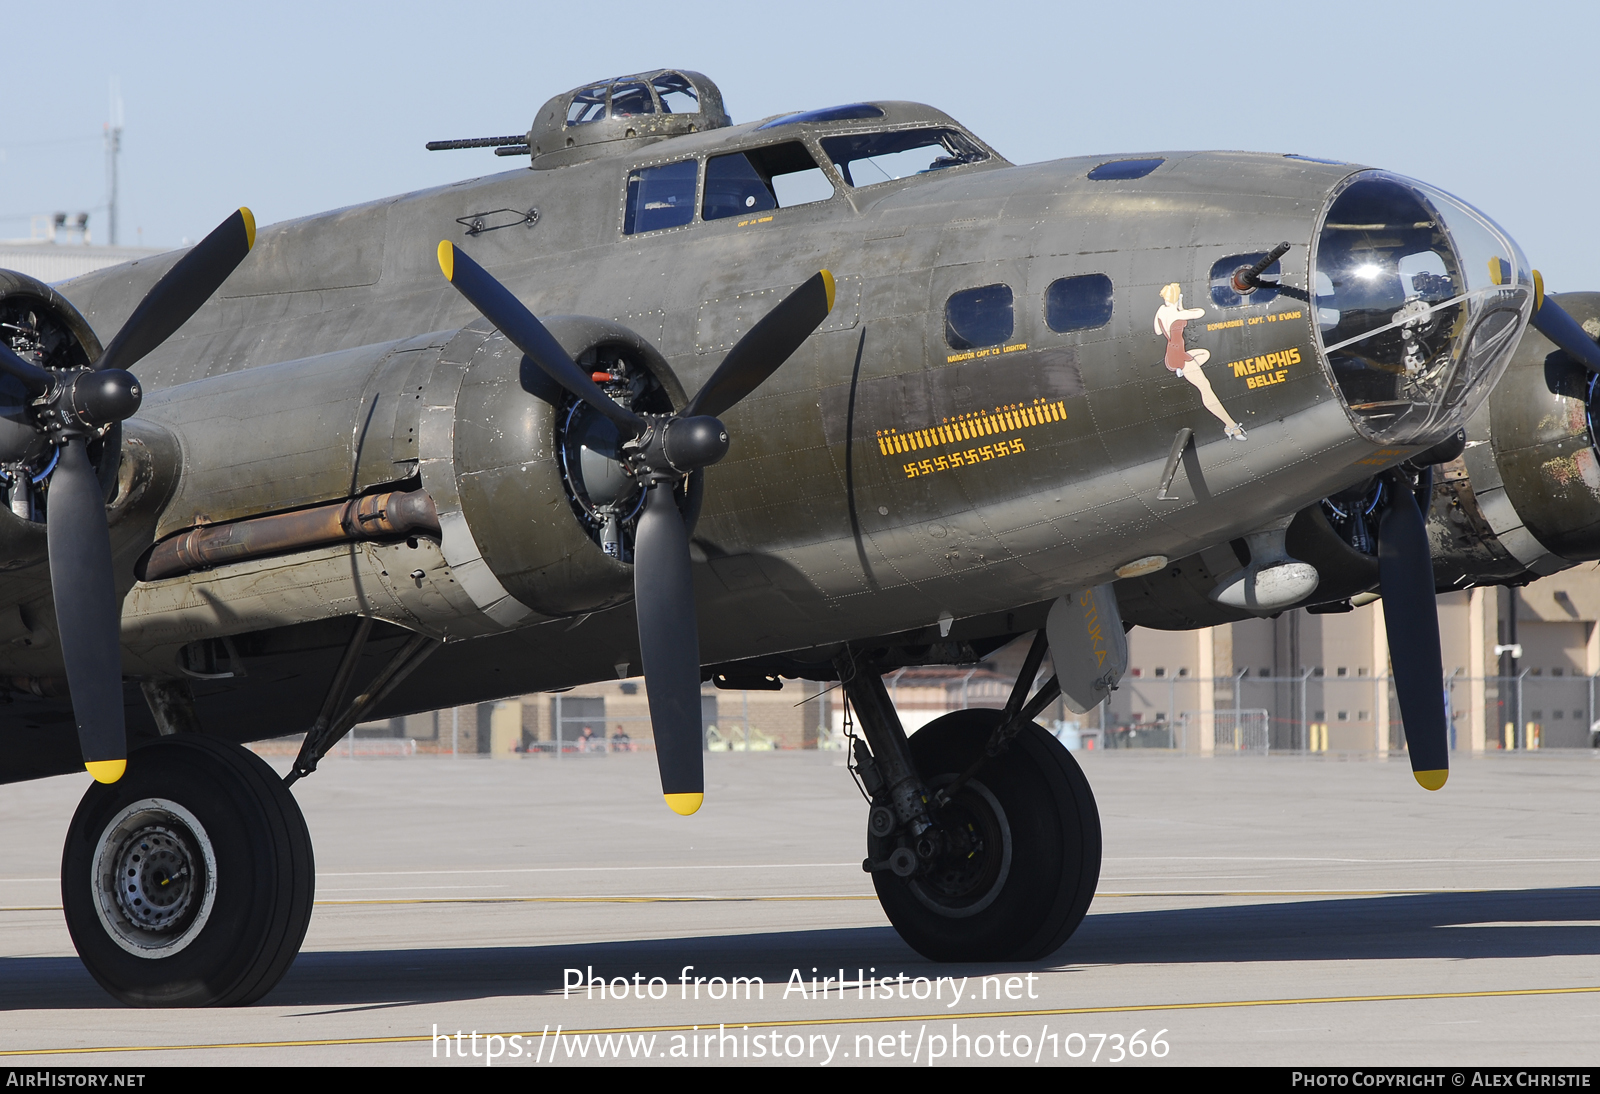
x=560, y=728
x=824, y=728
x=1517, y=732
x=1450, y=709
x=1305, y=686
x=746, y=721
x=455, y=729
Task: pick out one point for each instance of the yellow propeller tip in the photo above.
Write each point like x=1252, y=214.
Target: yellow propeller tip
x=249, y=227
x=684, y=804
x=1431, y=780
x=106, y=771
x=447, y=259
x=1538, y=291
x=827, y=284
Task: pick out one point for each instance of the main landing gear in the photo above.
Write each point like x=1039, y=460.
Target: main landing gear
x=983, y=840
x=188, y=882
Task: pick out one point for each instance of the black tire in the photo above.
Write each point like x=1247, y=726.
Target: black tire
x=212, y=820
x=1028, y=888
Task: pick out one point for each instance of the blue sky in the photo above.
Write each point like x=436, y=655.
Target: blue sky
x=295, y=107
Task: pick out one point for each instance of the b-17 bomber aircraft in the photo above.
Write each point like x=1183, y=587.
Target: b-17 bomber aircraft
x=818, y=396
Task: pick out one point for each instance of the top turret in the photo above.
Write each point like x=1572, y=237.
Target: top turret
x=624, y=112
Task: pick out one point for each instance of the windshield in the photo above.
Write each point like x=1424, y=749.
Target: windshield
x=867, y=158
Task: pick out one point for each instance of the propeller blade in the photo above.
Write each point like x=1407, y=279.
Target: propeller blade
x=517, y=323
x=1411, y=618
x=34, y=378
x=179, y=294
x=669, y=646
x=765, y=347
x=88, y=616
x=1556, y=323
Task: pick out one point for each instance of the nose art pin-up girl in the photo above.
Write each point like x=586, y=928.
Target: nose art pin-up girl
x=1171, y=318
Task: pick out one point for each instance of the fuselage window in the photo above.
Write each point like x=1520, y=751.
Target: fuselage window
x=1114, y=170
x=775, y=177
x=588, y=105
x=867, y=158
x=1078, y=303
x=660, y=197
x=628, y=99
x=1224, y=295
x=978, y=317
x=676, y=93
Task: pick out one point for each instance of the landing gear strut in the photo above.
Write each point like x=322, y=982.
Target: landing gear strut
x=189, y=881
x=983, y=840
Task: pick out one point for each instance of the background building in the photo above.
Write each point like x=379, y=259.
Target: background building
x=1520, y=667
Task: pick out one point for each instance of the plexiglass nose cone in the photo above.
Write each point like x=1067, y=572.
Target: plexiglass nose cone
x=1419, y=302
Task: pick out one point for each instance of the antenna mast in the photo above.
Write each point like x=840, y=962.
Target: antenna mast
x=113, y=132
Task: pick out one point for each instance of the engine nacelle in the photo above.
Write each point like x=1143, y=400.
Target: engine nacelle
x=472, y=447
x=540, y=487
x=1524, y=499
x=39, y=324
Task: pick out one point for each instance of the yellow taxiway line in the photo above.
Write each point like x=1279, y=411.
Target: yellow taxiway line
x=837, y=897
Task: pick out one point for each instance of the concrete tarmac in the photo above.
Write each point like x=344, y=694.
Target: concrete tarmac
x=1277, y=910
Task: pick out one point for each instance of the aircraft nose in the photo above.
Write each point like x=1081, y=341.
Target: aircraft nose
x=1420, y=301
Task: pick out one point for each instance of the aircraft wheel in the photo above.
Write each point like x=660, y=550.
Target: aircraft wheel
x=189, y=881
x=1020, y=853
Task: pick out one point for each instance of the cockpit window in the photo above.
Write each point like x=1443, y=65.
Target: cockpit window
x=867, y=158
x=676, y=93
x=588, y=105
x=627, y=99
x=775, y=177
x=660, y=197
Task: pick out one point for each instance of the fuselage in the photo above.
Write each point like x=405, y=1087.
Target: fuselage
x=894, y=477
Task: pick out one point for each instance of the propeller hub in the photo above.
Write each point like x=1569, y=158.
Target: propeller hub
x=688, y=444
x=95, y=399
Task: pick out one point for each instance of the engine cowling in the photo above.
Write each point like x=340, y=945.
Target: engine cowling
x=42, y=326
x=1524, y=499
x=540, y=485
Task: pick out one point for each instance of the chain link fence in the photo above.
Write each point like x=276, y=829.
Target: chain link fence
x=1318, y=713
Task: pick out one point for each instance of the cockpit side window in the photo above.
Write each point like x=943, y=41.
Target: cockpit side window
x=676, y=93
x=867, y=158
x=660, y=197
x=588, y=105
x=628, y=99
x=776, y=177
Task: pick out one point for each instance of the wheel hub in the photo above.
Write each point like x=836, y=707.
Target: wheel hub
x=972, y=859
x=155, y=878
x=155, y=875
